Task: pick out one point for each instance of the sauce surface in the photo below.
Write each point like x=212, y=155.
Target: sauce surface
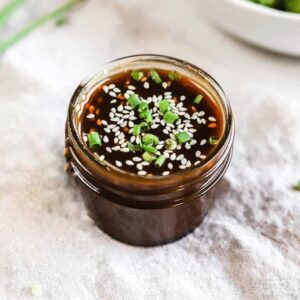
x=151, y=122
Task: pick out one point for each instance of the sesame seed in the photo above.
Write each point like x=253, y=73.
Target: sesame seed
x=113, y=101
x=196, y=162
x=107, y=130
x=164, y=85
x=139, y=166
x=116, y=129
x=108, y=149
x=105, y=89
x=118, y=133
x=182, y=98
x=116, y=148
x=198, y=153
x=165, y=173
x=180, y=157
x=90, y=116
x=142, y=173
x=145, y=163
x=129, y=163
x=104, y=122
x=146, y=85
x=212, y=119
x=118, y=163
x=116, y=140
x=111, y=86
x=105, y=139
x=165, y=131
x=132, y=139
x=131, y=87
x=101, y=158
x=166, y=154
x=173, y=156
x=193, y=142
x=187, y=146
x=112, y=94
x=202, y=142
x=125, y=149
x=183, y=161
x=182, y=167
x=130, y=124
x=201, y=113
x=188, y=164
x=117, y=90
x=202, y=156
x=170, y=166
x=136, y=158
x=120, y=108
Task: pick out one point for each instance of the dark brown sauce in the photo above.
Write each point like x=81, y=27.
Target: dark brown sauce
x=97, y=111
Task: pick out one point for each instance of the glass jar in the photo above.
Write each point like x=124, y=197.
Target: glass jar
x=142, y=210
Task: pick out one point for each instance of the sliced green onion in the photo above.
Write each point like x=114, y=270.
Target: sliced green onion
x=150, y=139
x=173, y=75
x=213, y=140
x=149, y=149
x=160, y=161
x=155, y=76
x=144, y=126
x=133, y=148
x=149, y=157
x=198, y=99
x=149, y=119
x=144, y=106
x=94, y=140
x=170, y=144
x=170, y=117
x=136, y=130
x=183, y=137
x=164, y=105
x=134, y=100
x=137, y=75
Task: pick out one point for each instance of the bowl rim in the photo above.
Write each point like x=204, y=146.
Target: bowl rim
x=246, y=4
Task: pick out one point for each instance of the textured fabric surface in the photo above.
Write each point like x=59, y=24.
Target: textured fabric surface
x=248, y=247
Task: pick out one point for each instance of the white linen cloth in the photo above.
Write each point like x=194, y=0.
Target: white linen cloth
x=248, y=247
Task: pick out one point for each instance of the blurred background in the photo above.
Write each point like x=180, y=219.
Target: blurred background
x=247, y=247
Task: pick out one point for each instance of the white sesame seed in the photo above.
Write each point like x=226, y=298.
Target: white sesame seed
x=166, y=154
x=192, y=130
x=107, y=130
x=182, y=98
x=180, y=157
x=162, y=122
x=201, y=113
x=104, y=122
x=165, y=131
x=146, y=85
x=164, y=85
x=145, y=163
x=129, y=163
x=130, y=124
x=117, y=90
x=115, y=119
x=173, y=156
x=187, y=116
x=131, y=87
x=105, y=89
x=116, y=148
x=193, y=142
x=188, y=164
x=170, y=166
x=183, y=161
x=126, y=95
x=202, y=142
x=180, y=104
x=115, y=129
x=112, y=94
x=178, y=147
x=187, y=146
x=124, y=124
x=116, y=140
x=132, y=118
x=136, y=158
x=196, y=162
x=182, y=167
x=159, y=147
x=132, y=139
x=154, y=126
x=118, y=133
x=166, y=173
x=108, y=149
x=139, y=167
x=212, y=119
x=198, y=153
x=113, y=101
x=202, y=156
x=90, y=116
x=121, y=136
x=120, y=108
x=85, y=138
x=111, y=86
x=105, y=139
x=125, y=149
x=142, y=173
x=101, y=158
x=124, y=145
x=118, y=163
x=138, y=140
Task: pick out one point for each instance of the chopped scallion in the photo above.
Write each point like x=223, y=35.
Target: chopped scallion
x=94, y=140
x=198, y=99
x=164, y=105
x=136, y=130
x=149, y=149
x=155, y=76
x=149, y=157
x=173, y=75
x=134, y=100
x=144, y=126
x=160, y=161
x=213, y=140
x=150, y=139
x=170, y=117
x=137, y=75
x=183, y=137
x=170, y=144
x=133, y=148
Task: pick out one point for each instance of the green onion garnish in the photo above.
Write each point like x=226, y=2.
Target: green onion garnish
x=133, y=148
x=136, y=130
x=94, y=140
x=160, y=161
x=213, y=140
x=198, y=99
x=144, y=126
x=150, y=139
x=137, y=75
x=149, y=119
x=149, y=157
x=170, y=117
x=134, y=100
x=183, y=137
x=149, y=149
x=170, y=144
x=297, y=186
x=154, y=75
x=173, y=75
x=164, y=105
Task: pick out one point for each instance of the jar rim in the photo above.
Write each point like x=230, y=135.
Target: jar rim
x=226, y=139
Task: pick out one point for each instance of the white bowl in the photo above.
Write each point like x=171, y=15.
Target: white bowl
x=266, y=27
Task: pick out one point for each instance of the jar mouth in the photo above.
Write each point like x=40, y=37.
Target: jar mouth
x=85, y=88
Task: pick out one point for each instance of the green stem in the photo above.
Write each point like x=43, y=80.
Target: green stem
x=55, y=14
x=8, y=9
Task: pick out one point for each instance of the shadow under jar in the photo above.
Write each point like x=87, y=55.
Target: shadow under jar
x=146, y=209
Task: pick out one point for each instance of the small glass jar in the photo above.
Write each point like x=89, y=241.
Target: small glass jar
x=142, y=210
